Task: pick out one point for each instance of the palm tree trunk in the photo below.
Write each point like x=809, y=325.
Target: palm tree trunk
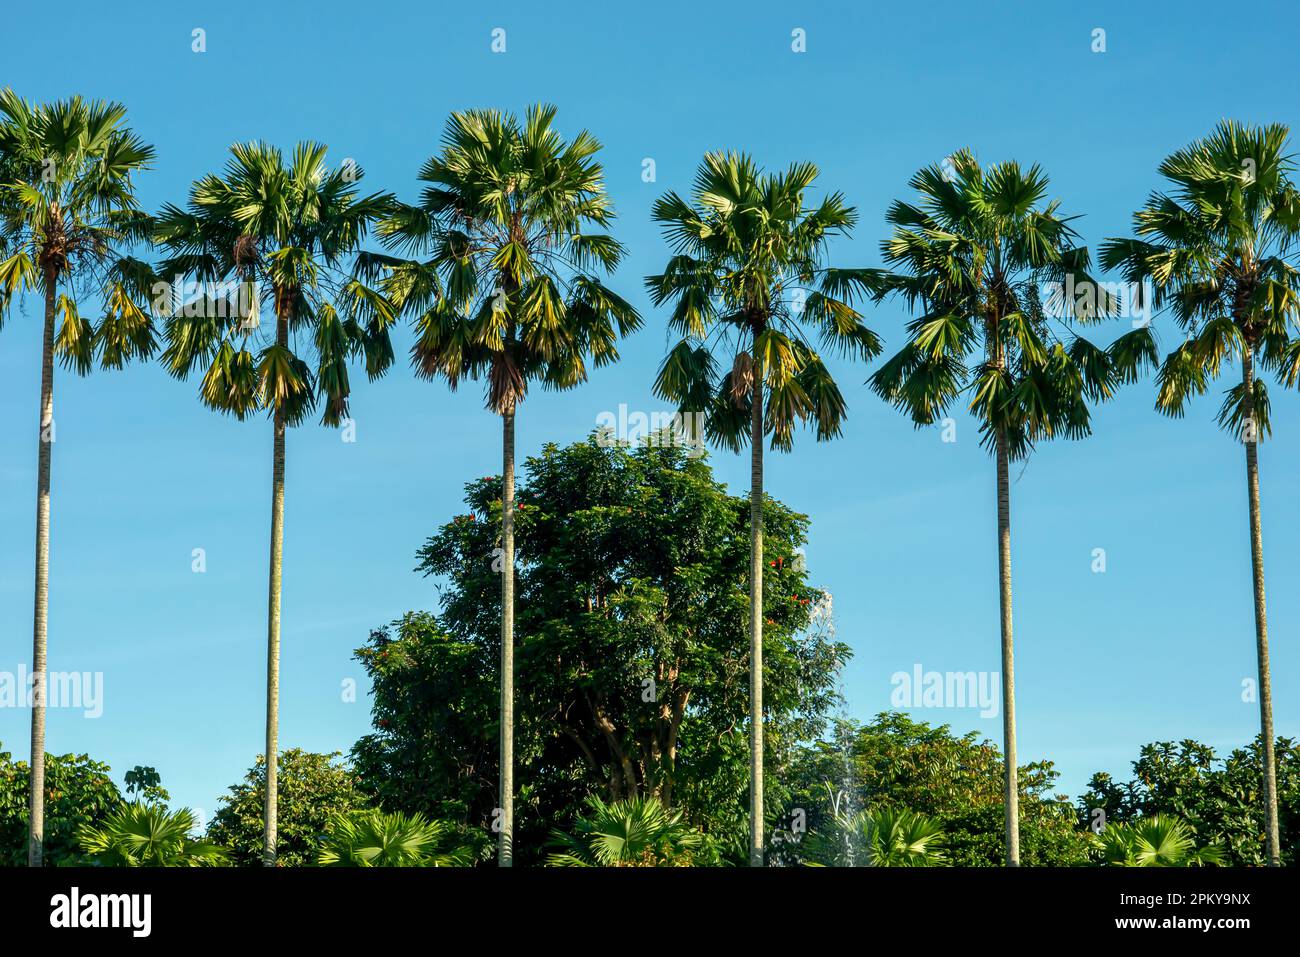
x=756, y=618
x=506, y=795
x=1261, y=619
x=36, y=808
x=1011, y=789
x=271, y=807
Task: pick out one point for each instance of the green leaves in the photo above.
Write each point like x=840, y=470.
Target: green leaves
x=313, y=790
x=148, y=835
x=74, y=343
x=638, y=832
x=230, y=383
x=877, y=837
x=1158, y=841
x=1248, y=422
x=376, y=839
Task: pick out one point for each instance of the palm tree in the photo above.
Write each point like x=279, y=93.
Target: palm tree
x=747, y=275
x=375, y=839
x=973, y=258
x=68, y=221
x=508, y=292
x=280, y=235
x=148, y=835
x=636, y=832
x=1218, y=250
x=1159, y=841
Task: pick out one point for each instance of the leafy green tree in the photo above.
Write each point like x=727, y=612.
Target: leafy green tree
x=1219, y=248
x=635, y=832
x=80, y=793
x=69, y=220
x=747, y=276
x=972, y=258
x=884, y=837
x=266, y=234
x=512, y=224
x=372, y=838
x=314, y=790
x=434, y=745
x=894, y=762
x=1218, y=799
x=148, y=835
x=1159, y=841
x=632, y=630
x=145, y=784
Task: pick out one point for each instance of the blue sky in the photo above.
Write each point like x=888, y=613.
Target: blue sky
x=903, y=529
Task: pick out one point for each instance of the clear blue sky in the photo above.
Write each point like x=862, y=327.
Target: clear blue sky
x=903, y=524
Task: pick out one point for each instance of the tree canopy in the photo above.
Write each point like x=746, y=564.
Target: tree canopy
x=632, y=617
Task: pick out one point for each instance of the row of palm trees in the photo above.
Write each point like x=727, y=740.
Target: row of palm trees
x=500, y=267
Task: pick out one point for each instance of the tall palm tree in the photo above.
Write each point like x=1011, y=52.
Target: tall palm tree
x=507, y=291
x=267, y=233
x=1219, y=249
x=984, y=262
x=68, y=222
x=748, y=275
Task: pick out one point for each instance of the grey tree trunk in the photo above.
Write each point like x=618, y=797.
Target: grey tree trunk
x=756, y=619
x=45, y=441
x=1261, y=620
x=271, y=807
x=1010, y=788
x=506, y=795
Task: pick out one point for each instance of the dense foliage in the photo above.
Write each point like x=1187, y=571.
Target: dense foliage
x=1218, y=798
x=897, y=762
x=631, y=640
x=314, y=790
x=78, y=792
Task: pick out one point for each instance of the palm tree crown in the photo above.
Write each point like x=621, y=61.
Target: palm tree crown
x=508, y=289
x=748, y=275
x=1219, y=251
x=975, y=257
x=69, y=217
x=267, y=233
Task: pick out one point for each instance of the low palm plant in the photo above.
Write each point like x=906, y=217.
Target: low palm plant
x=377, y=839
x=1159, y=841
x=141, y=834
x=638, y=832
x=877, y=837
